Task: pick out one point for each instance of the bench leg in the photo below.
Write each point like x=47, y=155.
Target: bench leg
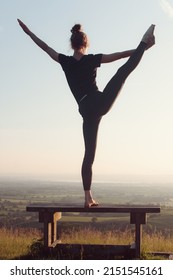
x=138, y=239
x=47, y=234
x=50, y=226
x=138, y=219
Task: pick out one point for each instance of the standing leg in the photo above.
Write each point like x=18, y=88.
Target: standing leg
x=90, y=130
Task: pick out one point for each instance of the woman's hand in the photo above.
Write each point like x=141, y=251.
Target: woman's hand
x=24, y=27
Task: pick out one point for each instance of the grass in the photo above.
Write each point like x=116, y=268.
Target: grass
x=93, y=236
x=16, y=243
x=157, y=242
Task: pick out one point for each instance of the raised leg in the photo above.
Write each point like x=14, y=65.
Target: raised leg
x=115, y=85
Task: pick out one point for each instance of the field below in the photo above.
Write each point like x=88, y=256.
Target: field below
x=20, y=230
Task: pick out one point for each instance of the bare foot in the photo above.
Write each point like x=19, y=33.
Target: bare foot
x=89, y=201
x=92, y=203
x=148, y=34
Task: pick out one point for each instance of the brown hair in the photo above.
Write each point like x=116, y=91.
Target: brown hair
x=78, y=38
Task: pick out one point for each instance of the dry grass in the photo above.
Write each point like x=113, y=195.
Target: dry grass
x=90, y=236
x=16, y=243
x=157, y=242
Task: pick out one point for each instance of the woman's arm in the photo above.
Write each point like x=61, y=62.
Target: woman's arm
x=106, y=58
x=52, y=53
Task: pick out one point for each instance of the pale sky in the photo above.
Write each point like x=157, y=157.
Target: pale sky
x=40, y=127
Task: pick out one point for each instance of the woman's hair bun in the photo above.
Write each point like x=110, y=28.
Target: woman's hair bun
x=76, y=28
x=78, y=38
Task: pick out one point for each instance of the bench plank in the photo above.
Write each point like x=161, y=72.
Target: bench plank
x=103, y=209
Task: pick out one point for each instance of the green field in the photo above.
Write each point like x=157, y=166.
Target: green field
x=15, y=195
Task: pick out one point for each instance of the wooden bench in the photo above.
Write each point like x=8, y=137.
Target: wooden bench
x=50, y=214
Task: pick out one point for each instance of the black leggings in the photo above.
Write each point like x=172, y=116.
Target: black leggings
x=97, y=104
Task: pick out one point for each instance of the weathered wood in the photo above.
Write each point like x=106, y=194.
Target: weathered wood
x=87, y=251
x=168, y=255
x=50, y=214
x=138, y=218
x=50, y=226
x=104, y=209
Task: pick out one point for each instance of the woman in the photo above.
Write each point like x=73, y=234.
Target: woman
x=80, y=70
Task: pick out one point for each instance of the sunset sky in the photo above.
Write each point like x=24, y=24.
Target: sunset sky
x=40, y=127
